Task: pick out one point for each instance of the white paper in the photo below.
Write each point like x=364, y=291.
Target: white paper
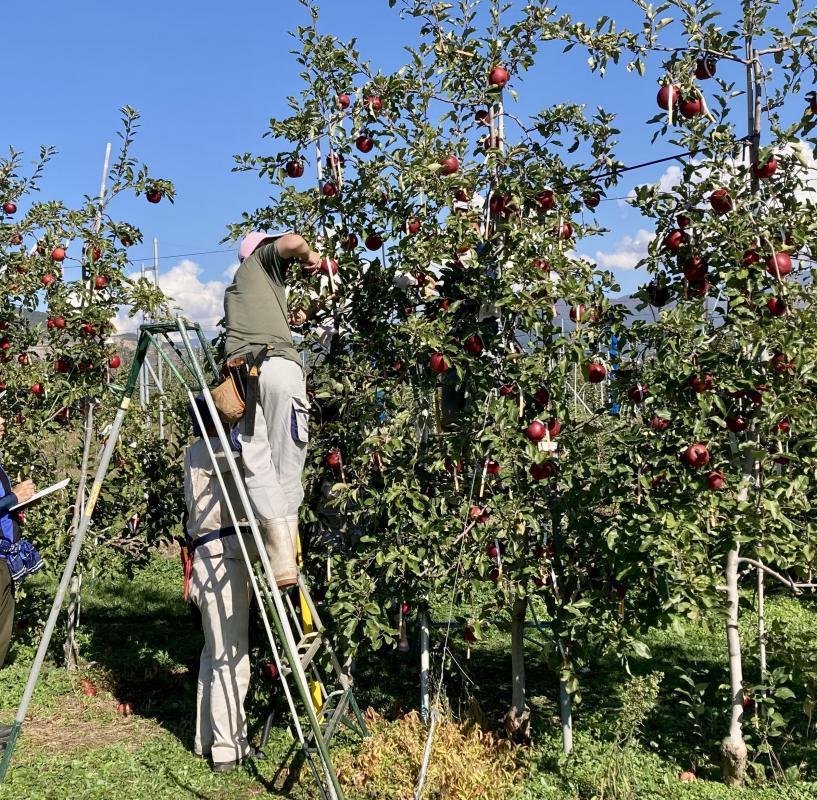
x=42, y=493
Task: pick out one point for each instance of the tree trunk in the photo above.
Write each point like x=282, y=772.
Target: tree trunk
x=517, y=720
x=566, y=714
x=733, y=748
x=70, y=646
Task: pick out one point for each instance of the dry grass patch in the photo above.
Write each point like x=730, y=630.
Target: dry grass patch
x=82, y=724
x=465, y=762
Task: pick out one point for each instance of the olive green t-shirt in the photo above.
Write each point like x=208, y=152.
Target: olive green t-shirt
x=255, y=306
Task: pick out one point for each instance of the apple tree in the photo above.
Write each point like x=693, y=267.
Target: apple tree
x=448, y=439
x=720, y=385
x=63, y=276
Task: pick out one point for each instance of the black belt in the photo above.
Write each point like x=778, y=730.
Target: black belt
x=221, y=533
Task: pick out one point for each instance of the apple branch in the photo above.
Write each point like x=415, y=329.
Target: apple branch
x=769, y=571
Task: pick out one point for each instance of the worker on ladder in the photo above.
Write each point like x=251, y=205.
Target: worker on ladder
x=274, y=431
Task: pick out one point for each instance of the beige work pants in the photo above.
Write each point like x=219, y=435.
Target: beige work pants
x=275, y=451
x=220, y=587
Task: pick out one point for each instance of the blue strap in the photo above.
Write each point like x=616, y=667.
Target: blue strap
x=221, y=533
x=22, y=559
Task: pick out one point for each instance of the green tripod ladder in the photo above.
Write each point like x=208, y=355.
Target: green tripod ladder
x=294, y=657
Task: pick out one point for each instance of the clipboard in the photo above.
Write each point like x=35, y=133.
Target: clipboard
x=42, y=493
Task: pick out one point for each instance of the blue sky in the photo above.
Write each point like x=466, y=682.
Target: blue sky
x=207, y=76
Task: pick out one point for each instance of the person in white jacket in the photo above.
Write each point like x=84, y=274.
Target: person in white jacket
x=220, y=587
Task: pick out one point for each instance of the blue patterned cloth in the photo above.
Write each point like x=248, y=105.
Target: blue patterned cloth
x=22, y=558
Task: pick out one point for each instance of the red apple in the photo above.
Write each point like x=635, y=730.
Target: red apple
x=5, y=344
x=542, y=264
x=691, y=108
x=701, y=384
x=333, y=458
x=675, y=239
x=780, y=363
x=47, y=279
x=294, y=169
x=452, y=466
x=736, y=424
x=37, y=389
x=468, y=634
x=683, y=221
x=23, y=359
x=638, y=393
x=705, y=68
x=564, y=231
x=329, y=265
x=374, y=241
x=9, y=208
x=62, y=365
x=88, y=329
x=125, y=709
x=473, y=344
x=592, y=200
x=349, y=242
x=750, y=257
x=364, y=143
x=413, y=227
x=498, y=77
x=329, y=189
x=153, y=195
x=695, y=269
x=542, y=472
x=449, y=165
x=779, y=265
x=438, y=363
x=546, y=200
x=777, y=306
x=782, y=425
x=344, y=100
x=100, y=282
x=696, y=455
x=492, y=467
x=92, y=253
x=720, y=201
x=554, y=427
x=596, y=372
x=114, y=362
x=535, y=431
x=765, y=171
x=58, y=254
x=373, y=103
x=715, y=480
x=88, y=688
x=507, y=390
x=658, y=295
x=541, y=396
x=577, y=312
x=59, y=322
x=659, y=423
x=668, y=96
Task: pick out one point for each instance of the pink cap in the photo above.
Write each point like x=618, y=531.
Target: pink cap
x=250, y=243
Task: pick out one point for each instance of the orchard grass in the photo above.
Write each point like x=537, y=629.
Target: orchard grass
x=138, y=643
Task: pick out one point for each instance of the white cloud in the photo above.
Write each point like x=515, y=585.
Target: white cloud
x=200, y=301
x=627, y=252
x=230, y=272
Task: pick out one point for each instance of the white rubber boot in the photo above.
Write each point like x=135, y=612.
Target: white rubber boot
x=280, y=549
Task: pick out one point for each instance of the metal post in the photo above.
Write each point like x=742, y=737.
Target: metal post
x=158, y=359
x=425, y=704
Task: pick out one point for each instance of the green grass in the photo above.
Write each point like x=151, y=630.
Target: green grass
x=139, y=643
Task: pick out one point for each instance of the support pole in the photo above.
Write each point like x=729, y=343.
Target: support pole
x=566, y=715
x=158, y=359
x=425, y=704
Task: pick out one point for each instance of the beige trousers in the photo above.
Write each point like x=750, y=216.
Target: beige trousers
x=220, y=587
x=275, y=451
